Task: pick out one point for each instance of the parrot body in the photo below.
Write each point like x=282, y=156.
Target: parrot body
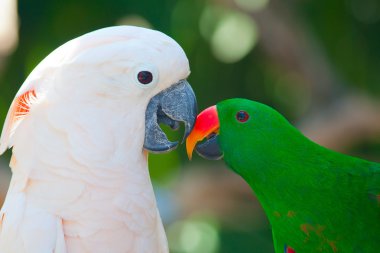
x=80, y=180
x=316, y=200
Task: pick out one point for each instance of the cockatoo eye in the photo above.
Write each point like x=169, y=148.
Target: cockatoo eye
x=242, y=116
x=145, y=77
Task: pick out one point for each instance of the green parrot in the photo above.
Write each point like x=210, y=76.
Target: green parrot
x=316, y=200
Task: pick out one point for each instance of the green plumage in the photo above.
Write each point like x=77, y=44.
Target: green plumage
x=316, y=200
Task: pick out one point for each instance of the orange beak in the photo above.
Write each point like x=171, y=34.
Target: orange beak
x=207, y=122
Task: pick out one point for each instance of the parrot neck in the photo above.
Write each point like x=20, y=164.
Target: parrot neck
x=285, y=170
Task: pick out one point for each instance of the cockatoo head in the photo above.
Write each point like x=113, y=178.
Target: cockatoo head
x=119, y=67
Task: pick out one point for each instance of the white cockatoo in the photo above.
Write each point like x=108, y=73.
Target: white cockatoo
x=81, y=127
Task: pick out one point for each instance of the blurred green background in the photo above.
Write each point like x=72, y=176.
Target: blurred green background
x=317, y=62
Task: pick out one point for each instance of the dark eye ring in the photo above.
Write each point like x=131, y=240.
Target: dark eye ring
x=145, y=77
x=242, y=116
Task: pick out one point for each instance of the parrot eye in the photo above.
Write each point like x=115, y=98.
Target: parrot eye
x=242, y=116
x=145, y=77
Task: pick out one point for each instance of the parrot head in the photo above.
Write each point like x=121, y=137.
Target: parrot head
x=135, y=74
x=242, y=132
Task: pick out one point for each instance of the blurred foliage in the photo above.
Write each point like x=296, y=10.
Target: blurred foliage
x=349, y=33
x=230, y=55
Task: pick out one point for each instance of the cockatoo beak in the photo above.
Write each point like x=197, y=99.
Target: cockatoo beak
x=170, y=107
x=206, y=126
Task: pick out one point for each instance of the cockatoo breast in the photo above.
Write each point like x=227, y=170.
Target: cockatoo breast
x=89, y=170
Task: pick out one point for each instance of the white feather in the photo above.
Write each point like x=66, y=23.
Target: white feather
x=80, y=180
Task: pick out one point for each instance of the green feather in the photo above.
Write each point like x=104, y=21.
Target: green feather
x=317, y=200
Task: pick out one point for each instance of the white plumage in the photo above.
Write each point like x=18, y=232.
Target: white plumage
x=80, y=180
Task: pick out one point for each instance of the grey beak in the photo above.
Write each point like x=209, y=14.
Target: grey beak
x=171, y=106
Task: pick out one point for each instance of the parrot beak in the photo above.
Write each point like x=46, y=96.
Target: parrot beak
x=170, y=107
x=206, y=126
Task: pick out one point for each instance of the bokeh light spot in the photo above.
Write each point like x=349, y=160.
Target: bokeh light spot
x=8, y=26
x=134, y=20
x=367, y=12
x=193, y=236
x=252, y=5
x=235, y=36
x=211, y=16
